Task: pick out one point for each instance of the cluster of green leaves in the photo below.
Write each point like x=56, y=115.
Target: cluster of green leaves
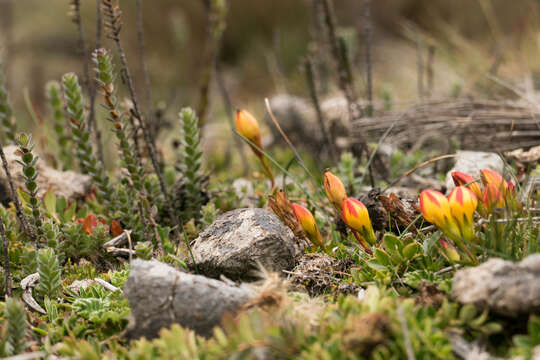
x=65, y=153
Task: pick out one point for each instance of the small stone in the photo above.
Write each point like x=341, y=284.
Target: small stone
x=471, y=162
x=67, y=184
x=242, y=241
x=504, y=287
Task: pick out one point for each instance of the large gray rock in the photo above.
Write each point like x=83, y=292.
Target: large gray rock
x=68, y=184
x=160, y=296
x=504, y=287
x=239, y=242
x=471, y=162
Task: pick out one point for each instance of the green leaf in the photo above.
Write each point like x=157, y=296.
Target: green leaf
x=49, y=199
x=412, y=250
x=383, y=257
x=375, y=265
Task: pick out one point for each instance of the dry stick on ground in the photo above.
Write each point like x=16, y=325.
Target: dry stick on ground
x=114, y=24
x=83, y=50
x=18, y=208
x=312, y=85
x=153, y=126
x=6, y=257
x=229, y=109
x=346, y=84
x=409, y=172
x=368, y=37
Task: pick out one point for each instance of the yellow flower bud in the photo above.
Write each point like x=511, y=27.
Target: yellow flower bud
x=307, y=221
x=335, y=190
x=356, y=216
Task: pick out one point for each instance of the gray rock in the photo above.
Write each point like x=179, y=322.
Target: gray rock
x=504, y=287
x=239, y=242
x=160, y=296
x=471, y=162
x=68, y=184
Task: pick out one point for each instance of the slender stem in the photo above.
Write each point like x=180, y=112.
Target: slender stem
x=154, y=126
x=18, y=208
x=6, y=257
x=310, y=77
x=368, y=37
x=229, y=109
x=362, y=242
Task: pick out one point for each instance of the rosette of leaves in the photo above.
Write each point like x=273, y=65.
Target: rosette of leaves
x=30, y=174
x=49, y=273
x=83, y=146
x=63, y=139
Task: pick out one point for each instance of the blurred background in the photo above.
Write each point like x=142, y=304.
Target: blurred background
x=264, y=44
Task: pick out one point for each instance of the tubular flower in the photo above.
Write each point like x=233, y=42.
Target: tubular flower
x=463, y=202
x=335, y=190
x=492, y=177
x=435, y=208
x=248, y=127
x=356, y=216
x=492, y=197
x=462, y=179
x=306, y=219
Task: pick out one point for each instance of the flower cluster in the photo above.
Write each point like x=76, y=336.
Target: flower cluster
x=453, y=215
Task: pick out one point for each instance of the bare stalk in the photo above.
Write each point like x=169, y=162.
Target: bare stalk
x=113, y=23
x=89, y=85
x=310, y=77
x=6, y=257
x=18, y=208
x=368, y=37
x=154, y=126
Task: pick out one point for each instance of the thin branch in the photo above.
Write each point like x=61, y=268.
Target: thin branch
x=14, y=197
x=284, y=136
x=368, y=38
x=6, y=257
x=114, y=24
x=229, y=110
x=409, y=172
x=154, y=126
x=312, y=85
x=89, y=85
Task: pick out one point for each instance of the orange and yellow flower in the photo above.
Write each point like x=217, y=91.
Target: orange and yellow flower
x=356, y=216
x=450, y=251
x=335, y=190
x=463, y=203
x=492, y=197
x=307, y=221
x=435, y=208
x=494, y=178
x=462, y=179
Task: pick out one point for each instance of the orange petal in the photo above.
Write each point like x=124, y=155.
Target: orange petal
x=335, y=190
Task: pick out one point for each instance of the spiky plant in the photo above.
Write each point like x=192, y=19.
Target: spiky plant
x=16, y=326
x=49, y=273
x=62, y=137
x=7, y=122
x=30, y=174
x=83, y=146
x=190, y=162
x=105, y=79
